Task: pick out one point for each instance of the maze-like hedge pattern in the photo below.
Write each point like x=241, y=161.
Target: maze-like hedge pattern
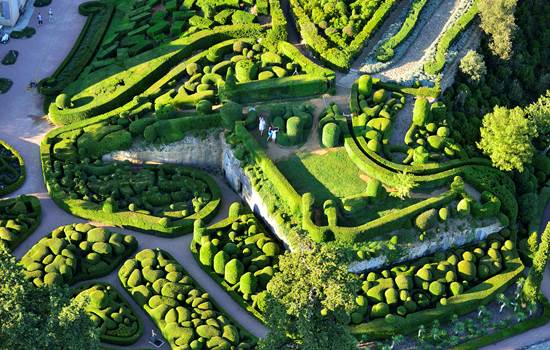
x=12, y=169
x=19, y=217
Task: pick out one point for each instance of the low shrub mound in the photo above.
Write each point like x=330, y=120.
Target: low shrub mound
x=332, y=126
x=5, y=85
x=10, y=58
x=76, y=252
x=26, y=32
x=431, y=281
x=111, y=314
x=184, y=313
x=12, y=169
x=19, y=217
x=240, y=254
x=164, y=198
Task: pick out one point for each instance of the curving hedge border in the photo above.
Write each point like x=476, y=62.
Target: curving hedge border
x=14, y=186
x=129, y=219
x=436, y=65
x=156, y=63
x=99, y=17
x=462, y=304
x=109, y=338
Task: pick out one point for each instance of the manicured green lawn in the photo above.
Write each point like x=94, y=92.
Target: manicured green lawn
x=328, y=176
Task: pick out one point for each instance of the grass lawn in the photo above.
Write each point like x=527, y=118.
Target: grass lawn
x=328, y=176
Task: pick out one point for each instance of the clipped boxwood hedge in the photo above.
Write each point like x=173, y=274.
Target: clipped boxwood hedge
x=184, y=313
x=19, y=217
x=12, y=169
x=76, y=252
x=239, y=241
x=110, y=313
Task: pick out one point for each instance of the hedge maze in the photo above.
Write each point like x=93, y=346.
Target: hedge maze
x=393, y=176
x=111, y=314
x=76, y=252
x=183, y=312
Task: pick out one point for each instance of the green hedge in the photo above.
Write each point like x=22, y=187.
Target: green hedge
x=140, y=73
x=99, y=17
x=110, y=313
x=462, y=304
x=74, y=253
x=436, y=65
x=184, y=313
x=243, y=238
x=171, y=222
x=19, y=217
x=12, y=169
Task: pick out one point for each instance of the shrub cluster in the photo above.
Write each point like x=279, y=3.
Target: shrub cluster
x=74, y=253
x=12, y=169
x=430, y=281
x=183, y=312
x=332, y=125
x=26, y=32
x=19, y=217
x=293, y=122
x=242, y=255
x=165, y=198
x=378, y=108
x=111, y=314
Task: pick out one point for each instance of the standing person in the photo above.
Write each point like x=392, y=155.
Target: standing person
x=39, y=18
x=261, y=125
x=50, y=15
x=269, y=133
x=274, y=134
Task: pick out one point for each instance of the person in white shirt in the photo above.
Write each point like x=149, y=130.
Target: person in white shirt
x=261, y=125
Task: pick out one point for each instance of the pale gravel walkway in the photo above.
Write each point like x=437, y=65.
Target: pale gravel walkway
x=23, y=125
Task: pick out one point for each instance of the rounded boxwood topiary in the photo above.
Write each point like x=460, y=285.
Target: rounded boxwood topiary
x=331, y=135
x=437, y=288
x=380, y=96
x=63, y=101
x=233, y=271
x=207, y=253
x=443, y=214
x=456, y=288
x=294, y=130
x=204, y=107
x=463, y=207
x=403, y=282
x=392, y=296
x=271, y=249
x=426, y=220
x=364, y=85
x=220, y=260
x=247, y=283
x=379, y=310
x=467, y=270
x=424, y=274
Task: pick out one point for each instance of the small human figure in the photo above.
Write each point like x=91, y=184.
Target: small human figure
x=274, y=132
x=39, y=18
x=261, y=125
x=50, y=15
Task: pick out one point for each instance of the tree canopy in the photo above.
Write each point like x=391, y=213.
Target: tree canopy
x=498, y=21
x=506, y=137
x=309, y=301
x=40, y=318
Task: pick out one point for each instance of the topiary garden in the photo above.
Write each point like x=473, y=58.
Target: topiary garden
x=12, y=169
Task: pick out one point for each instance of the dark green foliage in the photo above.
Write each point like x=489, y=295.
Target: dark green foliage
x=178, y=306
x=74, y=253
x=12, y=169
x=10, y=57
x=19, y=217
x=5, y=85
x=111, y=314
x=40, y=318
x=26, y=32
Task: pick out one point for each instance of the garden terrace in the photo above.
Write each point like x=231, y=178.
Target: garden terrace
x=12, y=169
x=110, y=313
x=76, y=252
x=156, y=198
x=241, y=255
x=337, y=32
x=184, y=313
x=19, y=218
